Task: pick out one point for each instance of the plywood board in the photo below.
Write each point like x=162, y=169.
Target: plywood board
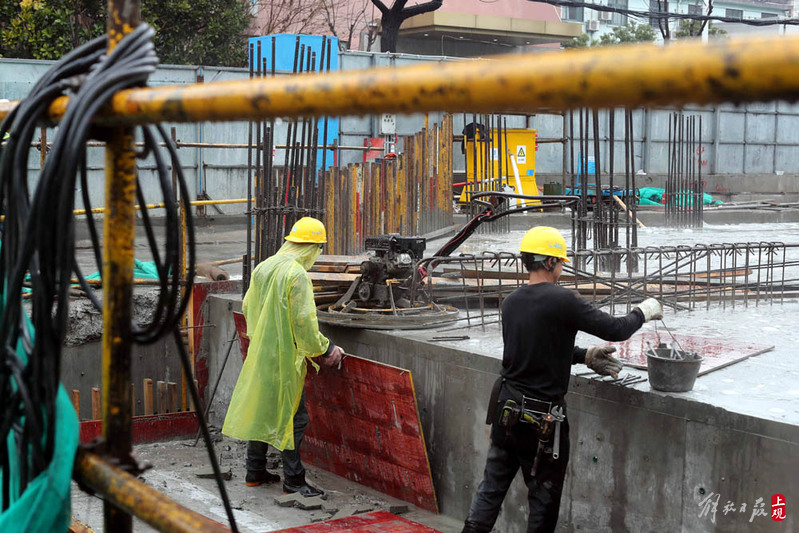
x=365, y=427
x=375, y=522
x=717, y=352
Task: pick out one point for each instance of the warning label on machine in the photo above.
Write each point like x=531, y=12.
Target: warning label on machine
x=521, y=154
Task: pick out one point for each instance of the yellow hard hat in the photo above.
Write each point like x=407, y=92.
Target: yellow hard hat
x=543, y=240
x=308, y=230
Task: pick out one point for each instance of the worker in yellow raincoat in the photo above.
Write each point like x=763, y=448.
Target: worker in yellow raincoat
x=268, y=403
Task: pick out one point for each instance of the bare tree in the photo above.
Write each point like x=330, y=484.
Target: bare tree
x=288, y=16
x=343, y=18
x=393, y=17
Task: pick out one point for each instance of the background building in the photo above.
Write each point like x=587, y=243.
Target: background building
x=458, y=28
x=596, y=23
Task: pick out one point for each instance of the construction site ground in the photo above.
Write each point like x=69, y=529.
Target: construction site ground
x=763, y=387
x=182, y=472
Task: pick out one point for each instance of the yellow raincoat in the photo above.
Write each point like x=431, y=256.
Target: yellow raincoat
x=283, y=330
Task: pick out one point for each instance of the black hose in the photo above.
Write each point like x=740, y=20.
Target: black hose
x=38, y=244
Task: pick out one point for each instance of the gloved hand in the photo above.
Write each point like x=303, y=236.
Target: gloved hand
x=651, y=309
x=334, y=359
x=598, y=359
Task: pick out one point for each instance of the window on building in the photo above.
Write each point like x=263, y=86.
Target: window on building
x=695, y=9
x=656, y=6
x=572, y=13
x=768, y=15
x=734, y=13
x=618, y=19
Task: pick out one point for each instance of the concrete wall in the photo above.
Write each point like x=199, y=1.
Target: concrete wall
x=640, y=461
x=82, y=369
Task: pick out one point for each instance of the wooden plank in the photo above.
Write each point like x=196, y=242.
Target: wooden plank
x=163, y=397
x=97, y=406
x=147, y=393
x=76, y=401
x=172, y=399
x=332, y=277
x=132, y=400
x=193, y=407
x=365, y=427
x=374, y=522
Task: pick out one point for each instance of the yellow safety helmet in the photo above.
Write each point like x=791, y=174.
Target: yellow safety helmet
x=543, y=240
x=308, y=230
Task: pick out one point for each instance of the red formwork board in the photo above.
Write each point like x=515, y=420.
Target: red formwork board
x=717, y=352
x=375, y=522
x=365, y=427
x=148, y=428
x=241, y=329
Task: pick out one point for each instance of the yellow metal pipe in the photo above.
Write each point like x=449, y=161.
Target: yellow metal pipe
x=97, y=210
x=636, y=75
x=131, y=496
x=118, y=240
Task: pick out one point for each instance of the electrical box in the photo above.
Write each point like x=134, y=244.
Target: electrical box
x=388, y=124
x=500, y=159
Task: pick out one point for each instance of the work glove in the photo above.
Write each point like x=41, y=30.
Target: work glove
x=598, y=359
x=651, y=309
x=334, y=358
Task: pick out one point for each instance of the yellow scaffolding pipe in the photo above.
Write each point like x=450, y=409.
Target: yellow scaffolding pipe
x=118, y=232
x=132, y=496
x=162, y=205
x=637, y=75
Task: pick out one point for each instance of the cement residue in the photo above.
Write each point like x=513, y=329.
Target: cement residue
x=176, y=466
x=85, y=322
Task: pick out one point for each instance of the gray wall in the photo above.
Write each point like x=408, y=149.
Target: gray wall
x=640, y=461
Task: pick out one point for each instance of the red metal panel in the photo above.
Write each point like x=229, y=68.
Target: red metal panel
x=375, y=522
x=150, y=428
x=365, y=427
x=717, y=353
x=241, y=329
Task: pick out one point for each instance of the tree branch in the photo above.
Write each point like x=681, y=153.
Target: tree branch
x=418, y=9
x=381, y=6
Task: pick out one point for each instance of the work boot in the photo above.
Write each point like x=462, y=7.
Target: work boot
x=259, y=477
x=471, y=527
x=292, y=484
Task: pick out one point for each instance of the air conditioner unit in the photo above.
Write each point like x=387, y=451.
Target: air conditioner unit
x=605, y=15
x=592, y=25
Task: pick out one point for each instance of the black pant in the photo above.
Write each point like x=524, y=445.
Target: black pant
x=505, y=457
x=292, y=464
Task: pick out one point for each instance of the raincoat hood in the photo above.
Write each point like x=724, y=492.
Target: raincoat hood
x=303, y=253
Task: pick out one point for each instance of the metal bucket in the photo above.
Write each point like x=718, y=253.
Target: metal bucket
x=672, y=375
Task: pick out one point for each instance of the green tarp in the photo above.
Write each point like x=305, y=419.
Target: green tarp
x=45, y=505
x=654, y=196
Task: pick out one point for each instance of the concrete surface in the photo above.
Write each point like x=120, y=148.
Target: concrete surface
x=642, y=460
x=176, y=466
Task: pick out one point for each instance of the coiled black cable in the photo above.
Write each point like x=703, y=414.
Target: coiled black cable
x=38, y=240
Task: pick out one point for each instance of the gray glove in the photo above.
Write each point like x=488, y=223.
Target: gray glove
x=598, y=359
x=651, y=309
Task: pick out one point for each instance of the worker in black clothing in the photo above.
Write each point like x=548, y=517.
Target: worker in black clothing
x=527, y=409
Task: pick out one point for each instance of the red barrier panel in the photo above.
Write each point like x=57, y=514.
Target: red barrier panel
x=375, y=522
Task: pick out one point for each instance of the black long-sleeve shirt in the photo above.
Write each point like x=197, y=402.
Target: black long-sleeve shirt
x=539, y=324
